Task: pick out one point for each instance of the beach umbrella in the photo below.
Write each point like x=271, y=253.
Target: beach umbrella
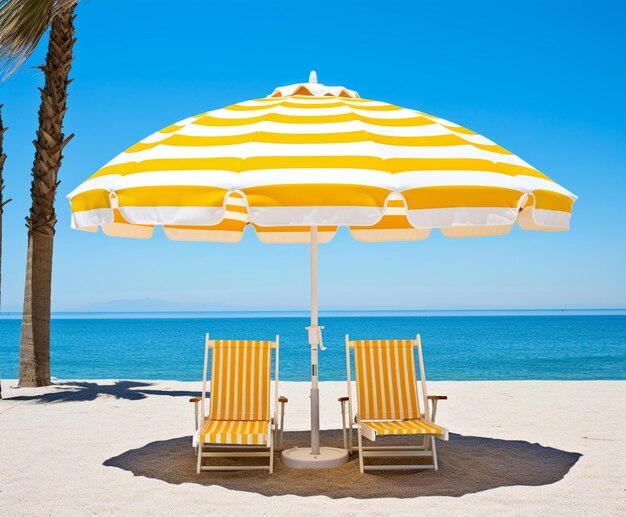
x=305, y=160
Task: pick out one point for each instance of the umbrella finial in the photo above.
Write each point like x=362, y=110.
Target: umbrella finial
x=313, y=77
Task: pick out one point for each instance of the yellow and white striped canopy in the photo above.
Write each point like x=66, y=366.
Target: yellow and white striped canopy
x=313, y=155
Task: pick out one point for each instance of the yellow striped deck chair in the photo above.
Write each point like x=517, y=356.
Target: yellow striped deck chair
x=238, y=423
x=388, y=402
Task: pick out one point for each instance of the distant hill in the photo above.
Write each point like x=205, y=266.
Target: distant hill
x=144, y=305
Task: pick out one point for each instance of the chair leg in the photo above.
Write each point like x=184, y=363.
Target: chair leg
x=282, y=426
x=350, y=439
x=343, y=425
x=199, y=464
x=434, y=447
x=271, y=453
x=360, y=450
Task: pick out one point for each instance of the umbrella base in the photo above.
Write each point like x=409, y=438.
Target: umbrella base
x=301, y=458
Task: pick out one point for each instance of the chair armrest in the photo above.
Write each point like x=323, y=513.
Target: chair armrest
x=196, y=409
x=433, y=401
x=280, y=429
x=346, y=427
x=196, y=401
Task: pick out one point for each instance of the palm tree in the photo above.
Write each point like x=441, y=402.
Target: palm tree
x=22, y=24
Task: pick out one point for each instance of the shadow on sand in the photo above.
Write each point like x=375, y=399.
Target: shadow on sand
x=467, y=464
x=81, y=391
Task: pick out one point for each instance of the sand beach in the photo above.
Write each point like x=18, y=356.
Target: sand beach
x=124, y=447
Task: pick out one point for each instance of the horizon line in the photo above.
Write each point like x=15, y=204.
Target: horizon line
x=298, y=311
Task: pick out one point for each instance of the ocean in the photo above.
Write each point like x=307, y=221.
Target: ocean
x=474, y=345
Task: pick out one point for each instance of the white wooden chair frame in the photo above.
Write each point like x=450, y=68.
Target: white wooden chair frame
x=427, y=447
x=211, y=450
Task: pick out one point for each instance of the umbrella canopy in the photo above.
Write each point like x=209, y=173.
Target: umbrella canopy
x=312, y=155
x=305, y=160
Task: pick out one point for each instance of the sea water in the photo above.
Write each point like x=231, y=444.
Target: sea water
x=457, y=346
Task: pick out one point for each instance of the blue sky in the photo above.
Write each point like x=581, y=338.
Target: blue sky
x=544, y=79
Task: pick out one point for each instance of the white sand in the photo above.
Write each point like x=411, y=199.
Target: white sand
x=54, y=443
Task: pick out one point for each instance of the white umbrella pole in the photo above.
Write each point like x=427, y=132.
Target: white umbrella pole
x=314, y=340
x=314, y=457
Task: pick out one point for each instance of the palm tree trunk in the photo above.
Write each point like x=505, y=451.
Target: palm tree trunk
x=35, y=340
x=2, y=203
x=3, y=157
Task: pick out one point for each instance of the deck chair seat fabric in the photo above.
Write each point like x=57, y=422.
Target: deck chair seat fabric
x=235, y=432
x=386, y=380
x=240, y=380
x=406, y=427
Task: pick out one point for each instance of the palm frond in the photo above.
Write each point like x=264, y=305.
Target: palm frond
x=22, y=24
